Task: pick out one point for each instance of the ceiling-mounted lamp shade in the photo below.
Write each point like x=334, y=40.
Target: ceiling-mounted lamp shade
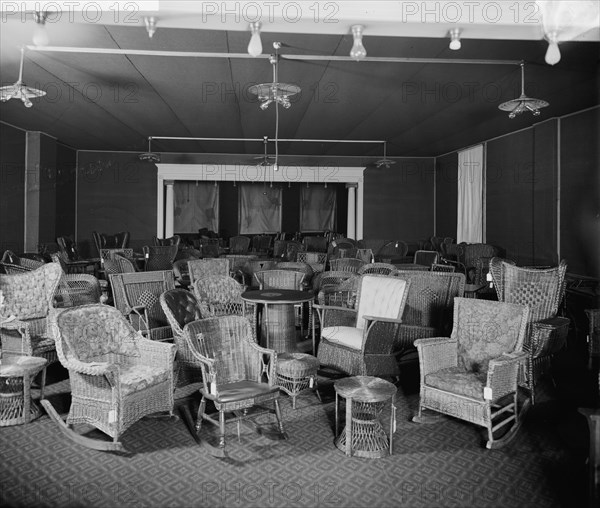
x=358, y=51
x=149, y=156
x=20, y=90
x=552, y=53
x=150, y=22
x=523, y=103
x=40, y=32
x=255, y=45
x=455, y=44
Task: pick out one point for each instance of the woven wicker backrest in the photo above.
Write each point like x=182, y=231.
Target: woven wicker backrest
x=297, y=267
x=380, y=296
x=541, y=289
x=29, y=295
x=392, y=251
x=172, y=240
x=435, y=267
x=332, y=278
x=346, y=265
x=485, y=329
x=160, y=257
x=239, y=244
x=379, y=268
x=315, y=243
x=180, y=307
x=142, y=288
x=365, y=255
x=292, y=248
x=219, y=295
x=199, y=268
x=280, y=279
x=426, y=257
x=430, y=301
x=77, y=289
x=68, y=247
x=225, y=339
x=111, y=253
x=237, y=261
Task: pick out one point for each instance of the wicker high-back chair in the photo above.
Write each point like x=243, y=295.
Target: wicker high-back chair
x=111, y=253
x=255, y=265
x=280, y=279
x=239, y=244
x=116, y=376
x=315, y=244
x=366, y=347
x=352, y=265
x=316, y=260
x=292, y=248
x=472, y=375
x=200, y=268
x=297, y=266
x=342, y=248
x=262, y=244
x=137, y=296
x=331, y=277
x=365, y=254
x=114, y=241
x=474, y=259
x=392, y=252
x=237, y=262
x=29, y=296
x=69, y=257
x=77, y=289
x=219, y=295
x=236, y=372
x=426, y=257
x=172, y=240
x=379, y=268
x=542, y=290
x=279, y=248
x=119, y=264
x=13, y=264
x=159, y=257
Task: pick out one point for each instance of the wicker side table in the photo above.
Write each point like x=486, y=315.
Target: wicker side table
x=366, y=396
x=16, y=373
x=297, y=372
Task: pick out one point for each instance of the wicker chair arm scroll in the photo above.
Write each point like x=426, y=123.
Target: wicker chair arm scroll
x=548, y=336
x=436, y=353
x=268, y=367
x=502, y=373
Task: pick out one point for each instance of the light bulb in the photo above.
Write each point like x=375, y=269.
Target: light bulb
x=455, y=44
x=255, y=45
x=358, y=51
x=553, y=53
x=40, y=34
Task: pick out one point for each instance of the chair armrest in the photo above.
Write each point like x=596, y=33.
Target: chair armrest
x=207, y=365
x=330, y=315
x=436, y=353
x=383, y=319
x=548, y=336
x=503, y=373
x=155, y=352
x=268, y=367
x=408, y=334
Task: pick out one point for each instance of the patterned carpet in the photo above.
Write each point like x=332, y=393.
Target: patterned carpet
x=439, y=465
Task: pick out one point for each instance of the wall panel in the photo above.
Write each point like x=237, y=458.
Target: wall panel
x=12, y=188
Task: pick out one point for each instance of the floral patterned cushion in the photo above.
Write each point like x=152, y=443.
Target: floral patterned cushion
x=97, y=330
x=485, y=330
x=459, y=382
x=137, y=377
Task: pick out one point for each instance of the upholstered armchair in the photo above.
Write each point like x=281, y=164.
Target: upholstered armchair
x=116, y=376
x=159, y=257
x=220, y=295
x=136, y=295
x=237, y=374
x=543, y=290
x=29, y=297
x=366, y=347
x=472, y=375
x=200, y=268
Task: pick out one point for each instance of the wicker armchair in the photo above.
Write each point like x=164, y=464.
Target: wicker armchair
x=426, y=257
x=234, y=369
x=255, y=265
x=237, y=262
x=366, y=347
x=543, y=290
x=29, y=297
x=392, y=252
x=117, y=377
x=137, y=295
x=330, y=277
x=352, y=265
x=262, y=244
x=316, y=260
x=472, y=375
x=77, y=289
x=200, y=268
x=315, y=244
x=68, y=256
x=297, y=266
x=365, y=255
x=593, y=338
x=280, y=279
x=13, y=264
x=474, y=259
x=378, y=268
x=220, y=295
x=239, y=245
x=164, y=242
x=342, y=248
x=292, y=248
x=159, y=257
x=116, y=241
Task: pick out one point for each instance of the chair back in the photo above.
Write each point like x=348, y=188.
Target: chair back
x=346, y=265
x=425, y=257
x=331, y=278
x=172, y=240
x=430, y=301
x=112, y=252
x=261, y=244
x=30, y=294
x=256, y=265
x=380, y=296
x=486, y=329
x=378, y=268
x=218, y=295
x=239, y=244
x=541, y=289
x=159, y=257
x=208, y=247
x=315, y=243
x=437, y=267
x=292, y=248
x=200, y=268
x=365, y=255
x=76, y=289
x=110, y=241
x=180, y=307
x=12, y=264
x=392, y=252
x=280, y=279
x=297, y=267
x=316, y=260
x=476, y=257
x=223, y=339
x=68, y=247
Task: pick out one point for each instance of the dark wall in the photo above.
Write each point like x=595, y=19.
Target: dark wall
x=115, y=192
x=446, y=195
x=12, y=188
x=580, y=192
x=399, y=201
x=47, y=228
x=66, y=169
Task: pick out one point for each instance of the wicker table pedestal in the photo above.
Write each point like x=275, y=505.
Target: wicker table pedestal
x=297, y=372
x=16, y=373
x=366, y=397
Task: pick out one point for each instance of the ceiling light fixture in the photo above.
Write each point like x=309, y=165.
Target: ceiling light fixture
x=40, y=32
x=149, y=156
x=255, y=45
x=20, y=90
x=523, y=103
x=358, y=51
x=385, y=161
x=455, y=39
x=150, y=22
x=264, y=160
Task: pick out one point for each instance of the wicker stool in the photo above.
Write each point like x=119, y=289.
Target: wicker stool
x=16, y=373
x=297, y=372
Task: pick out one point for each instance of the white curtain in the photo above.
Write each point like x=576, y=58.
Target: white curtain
x=317, y=208
x=259, y=209
x=470, y=195
x=196, y=206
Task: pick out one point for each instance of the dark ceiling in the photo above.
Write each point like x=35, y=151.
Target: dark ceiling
x=114, y=102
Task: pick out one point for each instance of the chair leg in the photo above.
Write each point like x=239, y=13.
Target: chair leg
x=222, y=430
x=279, y=419
x=200, y=416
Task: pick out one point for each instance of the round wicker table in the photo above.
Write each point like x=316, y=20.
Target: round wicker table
x=366, y=397
x=16, y=373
